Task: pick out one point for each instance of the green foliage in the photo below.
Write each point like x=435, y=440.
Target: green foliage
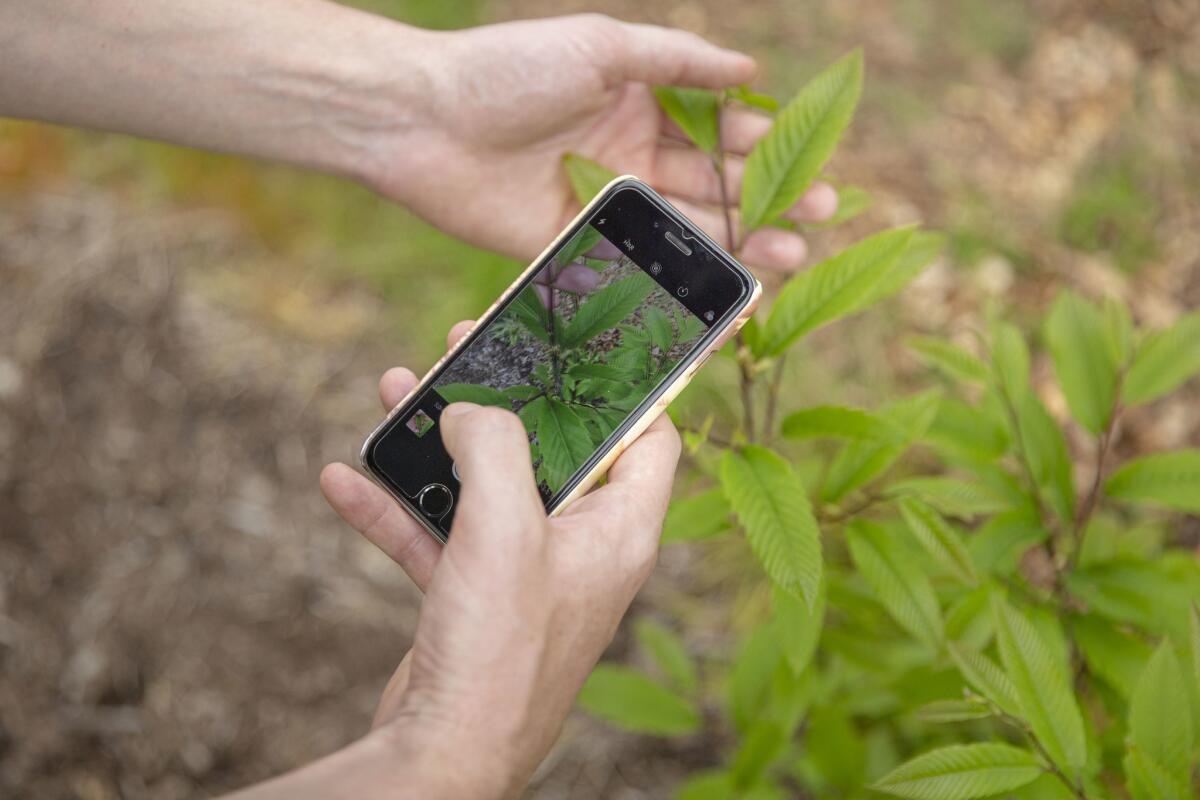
x=772, y=506
x=586, y=176
x=961, y=772
x=669, y=653
x=949, y=572
x=1171, y=480
x=1164, y=361
x=633, y=701
x=785, y=162
x=695, y=111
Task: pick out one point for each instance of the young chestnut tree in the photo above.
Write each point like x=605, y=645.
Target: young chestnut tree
x=1009, y=621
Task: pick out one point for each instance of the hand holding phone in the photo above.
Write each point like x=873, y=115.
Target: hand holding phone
x=587, y=347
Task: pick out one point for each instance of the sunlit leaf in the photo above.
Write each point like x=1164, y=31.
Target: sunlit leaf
x=1157, y=726
x=1146, y=779
x=606, y=307
x=632, y=701
x=706, y=785
x=743, y=94
x=784, y=162
x=763, y=744
x=1078, y=335
x=1170, y=480
x=1115, y=656
x=700, y=516
x=939, y=538
x=473, y=393
x=839, y=286
x=668, y=652
x=839, y=422
x=773, y=508
x=1043, y=688
x=947, y=357
x=852, y=201
x=902, y=587
x=797, y=627
x=922, y=249
x=962, y=772
x=1164, y=361
x=941, y=711
x=1010, y=359
x=986, y=677
x=695, y=111
x=952, y=496
x=587, y=177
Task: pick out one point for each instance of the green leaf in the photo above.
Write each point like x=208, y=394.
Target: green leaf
x=838, y=286
x=1045, y=449
x=860, y=462
x=940, y=539
x=1043, y=688
x=632, y=701
x=986, y=677
x=1010, y=358
x=658, y=324
x=1078, y=336
x=954, y=361
x=922, y=249
x=584, y=240
x=941, y=711
x=962, y=772
x=700, y=516
x=764, y=744
x=969, y=432
x=1171, y=480
x=527, y=309
x=999, y=544
x=1147, y=780
x=784, y=163
x=587, y=177
x=668, y=652
x=472, y=393
x=564, y=440
x=1113, y=655
x=952, y=496
x=1119, y=325
x=606, y=307
x=852, y=201
x=1157, y=727
x=797, y=627
x=1140, y=593
x=838, y=421
x=904, y=590
x=1164, y=361
x=751, y=675
x=969, y=618
x=695, y=111
x=771, y=503
x=706, y=785
x=743, y=94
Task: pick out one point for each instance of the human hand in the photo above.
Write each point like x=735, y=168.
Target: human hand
x=518, y=607
x=482, y=158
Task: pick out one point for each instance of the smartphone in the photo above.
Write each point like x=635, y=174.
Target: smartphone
x=588, y=346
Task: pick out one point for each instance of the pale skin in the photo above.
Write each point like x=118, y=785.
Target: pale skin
x=468, y=130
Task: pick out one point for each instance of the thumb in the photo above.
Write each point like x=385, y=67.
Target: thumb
x=669, y=57
x=491, y=451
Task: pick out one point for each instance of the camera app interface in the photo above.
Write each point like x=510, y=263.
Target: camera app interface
x=575, y=353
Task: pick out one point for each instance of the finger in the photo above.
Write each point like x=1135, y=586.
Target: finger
x=376, y=516
x=818, y=204
x=639, y=481
x=669, y=57
x=458, y=331
x=394, y=385
x=491, y=450
x=767, y=248
x=740, y=130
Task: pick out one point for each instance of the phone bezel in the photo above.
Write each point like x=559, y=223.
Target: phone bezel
x=747, y=291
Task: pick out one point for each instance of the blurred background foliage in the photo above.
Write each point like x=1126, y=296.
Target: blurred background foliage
x=1054, y=141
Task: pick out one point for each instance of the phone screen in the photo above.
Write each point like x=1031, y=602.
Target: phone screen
x=575, y=353
x=598, y=330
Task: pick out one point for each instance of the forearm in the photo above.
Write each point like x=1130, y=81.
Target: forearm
x=302, y=81
x=394, y=763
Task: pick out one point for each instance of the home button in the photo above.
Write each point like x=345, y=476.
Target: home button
x=435, y=500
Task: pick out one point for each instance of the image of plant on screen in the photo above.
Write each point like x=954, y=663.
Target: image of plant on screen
x=575, y=353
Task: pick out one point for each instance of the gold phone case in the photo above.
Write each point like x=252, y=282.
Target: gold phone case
x=639, y=425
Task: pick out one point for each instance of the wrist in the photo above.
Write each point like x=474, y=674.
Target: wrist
x=378, y=77
x=446, y=761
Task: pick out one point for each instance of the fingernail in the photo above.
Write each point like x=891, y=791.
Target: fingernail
x=456, y=409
